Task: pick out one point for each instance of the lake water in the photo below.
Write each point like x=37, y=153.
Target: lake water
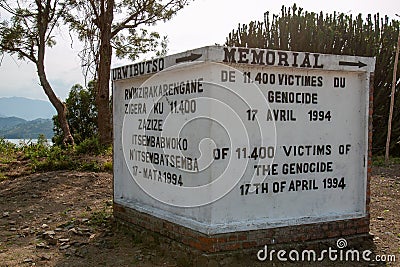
x=27, y=141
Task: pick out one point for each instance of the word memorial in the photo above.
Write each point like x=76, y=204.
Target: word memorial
x=222, y=140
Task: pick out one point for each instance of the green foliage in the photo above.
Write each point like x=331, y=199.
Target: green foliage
x=90, y=166
x=26, y=32
x=70, y=158
x=139, y=43
x=28, y=20
x=7, y=151
x=380, y=161
x=100, y=218
x=56, y=158
x=129, y=36
x=90, y=146
x=87, y=156
x=6, y=147
x=108, y=166
x=102, y=33
x=337, y=33
x=2, y=176
x=81, y=114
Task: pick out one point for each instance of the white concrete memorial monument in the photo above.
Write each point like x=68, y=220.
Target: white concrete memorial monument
x=222, y=139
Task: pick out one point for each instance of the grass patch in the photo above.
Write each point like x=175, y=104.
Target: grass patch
x=108, y=166
x=99, y=218
x=89, y=155
x=7, y=151
x=2, y=177
x=90, y=166
x=91, y=146
x=379, y=161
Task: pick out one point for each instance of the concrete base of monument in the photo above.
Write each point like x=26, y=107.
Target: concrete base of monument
x=250, y=239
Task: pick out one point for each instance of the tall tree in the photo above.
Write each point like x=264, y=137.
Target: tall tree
x=27, y=34
x=81, y=114
x=105, y=25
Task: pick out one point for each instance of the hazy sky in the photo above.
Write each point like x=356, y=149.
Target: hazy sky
x=203, y=22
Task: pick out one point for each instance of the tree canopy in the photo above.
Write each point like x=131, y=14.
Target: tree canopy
x=122, y=26
x=81, y=114
x=27, y=33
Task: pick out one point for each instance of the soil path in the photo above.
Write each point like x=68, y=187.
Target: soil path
x=65, y=219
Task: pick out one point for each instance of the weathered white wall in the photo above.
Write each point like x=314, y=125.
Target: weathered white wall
x=213, y=196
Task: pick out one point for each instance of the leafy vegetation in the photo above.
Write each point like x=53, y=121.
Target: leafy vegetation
x=105, y=26
x=42, y=157
x=337, y=33
x=87, y=155
x=6, y=151
x=380, y=161
x=100, y=218
x=26, y=31
x=81, y=116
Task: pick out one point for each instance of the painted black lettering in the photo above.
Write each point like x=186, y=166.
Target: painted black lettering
x=306, y=62
x=258, y=58
x=229, y=55
x=243, y=52
x=316, y=65
x=148, y=65
x=119, y=73
x=125, y=72
x=270, y=58
x=295, y=55
x=130, y=71
x=283, y=59
x=113, y=75
x=161, y=64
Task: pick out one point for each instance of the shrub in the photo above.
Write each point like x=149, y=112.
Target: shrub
x=90, y=146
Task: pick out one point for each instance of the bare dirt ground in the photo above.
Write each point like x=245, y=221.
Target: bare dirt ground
x=64, y=218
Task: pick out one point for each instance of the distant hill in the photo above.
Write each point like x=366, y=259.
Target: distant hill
x=17, y=128
x=6, y=123
x=25, y=108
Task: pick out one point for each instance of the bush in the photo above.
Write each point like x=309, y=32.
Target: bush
x=90, y=146
x=89, y=155
x=380, y=161
x=55, y=160
x=7, y=152
x=108, y=166
x=81, y=114
x=90, y=166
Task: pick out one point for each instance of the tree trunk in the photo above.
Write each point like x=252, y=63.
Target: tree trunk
x=102, y=86
x=389, y=131
x=56, y=102
x=42, y=18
